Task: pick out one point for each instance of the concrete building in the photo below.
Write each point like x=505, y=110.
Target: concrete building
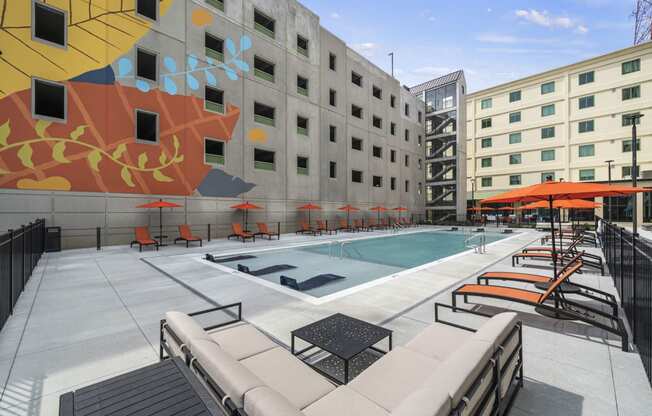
x=204, y=103
x=445, y=150
x=565, y=124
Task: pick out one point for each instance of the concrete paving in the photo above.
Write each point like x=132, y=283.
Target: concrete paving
x=87, y=316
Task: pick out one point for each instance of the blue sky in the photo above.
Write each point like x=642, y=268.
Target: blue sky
x=493, y=41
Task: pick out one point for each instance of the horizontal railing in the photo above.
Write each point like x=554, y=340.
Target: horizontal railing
x=262, y=29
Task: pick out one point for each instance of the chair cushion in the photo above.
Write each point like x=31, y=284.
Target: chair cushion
x=496, y=329
x=286, y=374
x=425, y=402
x=263, y=401
x=394, y=376
x=186, y=328
x=242, y=340
x=438, y=340
x=231, y=376
x=344, y=401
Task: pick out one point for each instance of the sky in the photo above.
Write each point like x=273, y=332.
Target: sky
x=492, y=41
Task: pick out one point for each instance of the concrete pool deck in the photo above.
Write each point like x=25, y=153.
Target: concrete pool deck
x=88, y=315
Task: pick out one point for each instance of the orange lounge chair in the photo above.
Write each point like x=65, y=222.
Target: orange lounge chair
x=263, y=231
x=185, y=234
x=344, y=226
x=359, y=225
x=322, y=226
x=143, y=238
x=306, y=229
x=372, y=224
x=588, y=260
x=238, y=232
x=562, y=305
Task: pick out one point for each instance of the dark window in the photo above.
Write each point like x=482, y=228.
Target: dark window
x=146, y=126
x=147, y=8
x=586, y=78
x=146, y=63
x=214, y=99
x=377, y=92
x=419, y=140
x=486, y=182
x=332, y=97
x=377, y=151
x=631, y=66
x=515, y=180
x=302, y=85
x=302, y=165
x=356, y=79
x=332, y=173
x=214, y=47
x=586, y=102
x=586, y=126
x=332, y=133
x=377, y=122
x=392, y=156
x=302, y=45
x=49, y=99
x=627, y=145
x=407, y=186
x=407, y=110
x=356, y=144
x=264, y=114
x=407, y=135
x=49, y=24
x=515, y=117
x=631, y=92
x=486, y=123
x=332, y=61
x=356, y=111
x=392, y=183
x=264, y=23
x=419, y=116
x=407, y=160
x=392, y=101
x=377, y=181
x=356, y=176
x=514, y=96
x=264, y=159
x=302, y=125
x=547, y=132
x=263, y=69
x=213, y=152
x=627, y=121
x=392, y=129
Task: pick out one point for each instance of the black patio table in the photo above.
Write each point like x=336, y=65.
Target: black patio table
x=343, y=337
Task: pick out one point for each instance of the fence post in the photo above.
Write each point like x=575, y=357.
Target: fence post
x=622, y=262
x=11, y=271
x=209, y=232
x=634, y=294
x=98, y=238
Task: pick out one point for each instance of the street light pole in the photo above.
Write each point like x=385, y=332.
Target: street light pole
x=392, y=56
x=609, y=162
x=634, y=118
x=472, y=195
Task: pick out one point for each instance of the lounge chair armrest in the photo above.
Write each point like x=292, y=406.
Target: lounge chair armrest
x=220, y=308
x=455, y=309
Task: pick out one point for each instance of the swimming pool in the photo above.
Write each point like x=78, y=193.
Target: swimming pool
x=357, y=261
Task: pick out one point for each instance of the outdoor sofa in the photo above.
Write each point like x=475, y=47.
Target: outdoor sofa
x=447, y=369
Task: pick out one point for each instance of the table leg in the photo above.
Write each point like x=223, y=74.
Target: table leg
x=390, y=342
x=346, y=371
x=292, y=342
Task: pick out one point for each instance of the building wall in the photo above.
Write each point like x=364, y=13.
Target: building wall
x=607, y=137
x=97, y=179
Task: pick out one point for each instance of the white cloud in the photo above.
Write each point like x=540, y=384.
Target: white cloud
x=365, y=49
x=581, y=29
x=545, y=19
x=489, y=10
x=335, y=15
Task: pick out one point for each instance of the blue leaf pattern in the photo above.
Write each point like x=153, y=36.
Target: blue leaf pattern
x=192, y=82
x=210, y=78
x=169, y=85
x=124, y=67
x=170, y=64
x=230, y=72
x=142, y=85
x=242, y=65
x=245, y=43
x=192, y=62
x=230, y=46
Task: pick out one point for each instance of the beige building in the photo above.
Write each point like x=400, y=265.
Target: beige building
x=564, y=123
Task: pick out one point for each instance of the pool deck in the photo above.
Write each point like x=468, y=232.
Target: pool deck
x=87, y=315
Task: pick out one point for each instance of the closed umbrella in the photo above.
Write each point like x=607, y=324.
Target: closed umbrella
x=245, y=207
x=348, y=209
x=160, y=204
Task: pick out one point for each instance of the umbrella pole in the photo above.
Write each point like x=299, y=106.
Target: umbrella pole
x=160, y=226
x=561, y=241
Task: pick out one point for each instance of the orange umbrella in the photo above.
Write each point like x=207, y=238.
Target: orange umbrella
x=348, y=209
x=309, y=207
x=378, y=209
x=245, y=207
x=399, y=210
x=480, y=209
x=505, y=209
x=160, y=204
x=565, y=204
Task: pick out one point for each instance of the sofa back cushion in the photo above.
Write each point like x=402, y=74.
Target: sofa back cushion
x=496, y=329
x=184, y=327
x=263, y=401
x=425, y=401
x=231, y=376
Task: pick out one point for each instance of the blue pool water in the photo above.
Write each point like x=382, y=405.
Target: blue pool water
x=361, y=260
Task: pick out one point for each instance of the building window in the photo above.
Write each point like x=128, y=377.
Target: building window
x=377, y=92
x=548, y=87
x=303, y=86
x=586, y=150
x=332, y=133
x=419, y=140
x=547, y=176
x=486, y=103
x=515, y=180
x=515, y=159
x=514, y=138
x=587, y=77
x=147, y=8
x=627, y=145
x=586, y=102
x=486, y=123
x=419, y=188
x=356, y=144
x=332, y=170
x=547, y=155
x=214, y=47
x=631, y=92
x=302, y=125
x=356, y=79
x=302, y=46
x=146, y=65
x=392, y=156
x=213, y=152
x=214, y=100
x=49, y=100
x=264, y=24
x=332, y=62
x=377, y=122
x=218, y=4
x=407, y=135
x=264, y=69
x=419, y=116
x=420, y=163
x=515, y=117
x=631, y=66
x=548, y=110
x=146, y=126
x=49, y=24
x=586, y=126
x=392, y=183
x=377, y=181
x=627, y=121
x=264, y=160
x=392, y=129
x=547, y=132
x=407, y=110
x=407, y=161
x=407, y=186
x=514, y=96
x=486, y=182
x=392, y=101
x=587, y=174
x=332, y=98
x=377, y=151
x=626, y=172
x=485, y=162
x=356, y=176
x=302, y=165
x=264, y=114
x=486, y=143
x=356, y=111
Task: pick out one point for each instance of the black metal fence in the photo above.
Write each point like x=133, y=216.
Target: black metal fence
x=20, y=251
x=629, y=258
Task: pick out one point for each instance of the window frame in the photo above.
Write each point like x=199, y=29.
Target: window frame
x=35, y=4
x=586, y=146
x=592, y=178
x=332, y=61
x=515, y=159
x=515, y=183
x=637, y=66
x=489, y=179
x=223, y=108
x=332, y=133
x=263, y=29
x=488, y=101
x=488, y=164
x=547, y=152
x=158, y=127
x=548, y=106
x=361, y=176
x=631, y=89
x=332, y=169
x=489, y=124
x=515, y=117
x=158, y=11
x=549, y=128
x=586, y=124
x=579, y=78
x=355, y=75
x=547, y=84
x=33, y=100
x=587, y=101
x=486, y=140
x=158, y=66
x=511, y=135
x=211, y=139
x=520, y=96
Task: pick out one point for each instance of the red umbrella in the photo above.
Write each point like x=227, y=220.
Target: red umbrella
x=348, y=209
x=505, y=209
x=245, y=207
x=160, y=204
x=309, y=207
x=378, y=209
x=399, y=210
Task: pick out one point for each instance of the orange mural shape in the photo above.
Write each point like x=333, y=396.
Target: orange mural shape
x=95, y=149
x=201, y=17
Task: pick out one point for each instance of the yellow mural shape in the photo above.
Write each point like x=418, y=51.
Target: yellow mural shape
x=257, y=135
x=98, y=32
x=201, y=17
x=53, y=183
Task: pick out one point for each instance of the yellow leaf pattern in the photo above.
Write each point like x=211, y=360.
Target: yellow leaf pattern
x=41, y=126
x=119, y=151
x=163, y=158
x=159, y=176
x=126, y=176
x=94, y=159
x=142, y=160
x=25, y=155
x=58, y=152
x=5, y=129
x=76, y=134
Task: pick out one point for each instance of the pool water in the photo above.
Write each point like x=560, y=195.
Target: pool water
x=360, y=261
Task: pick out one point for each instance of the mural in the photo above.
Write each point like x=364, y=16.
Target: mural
x=95, y=149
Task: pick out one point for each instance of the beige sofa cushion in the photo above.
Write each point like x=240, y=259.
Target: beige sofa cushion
x=185, y=327
x=438, y=340
x=344, y=401
x=389, y=380
x=425, y=402
x=286, y=374
x=242, y=340
x=496, y=329
x=263, y=401
x=231, y=376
